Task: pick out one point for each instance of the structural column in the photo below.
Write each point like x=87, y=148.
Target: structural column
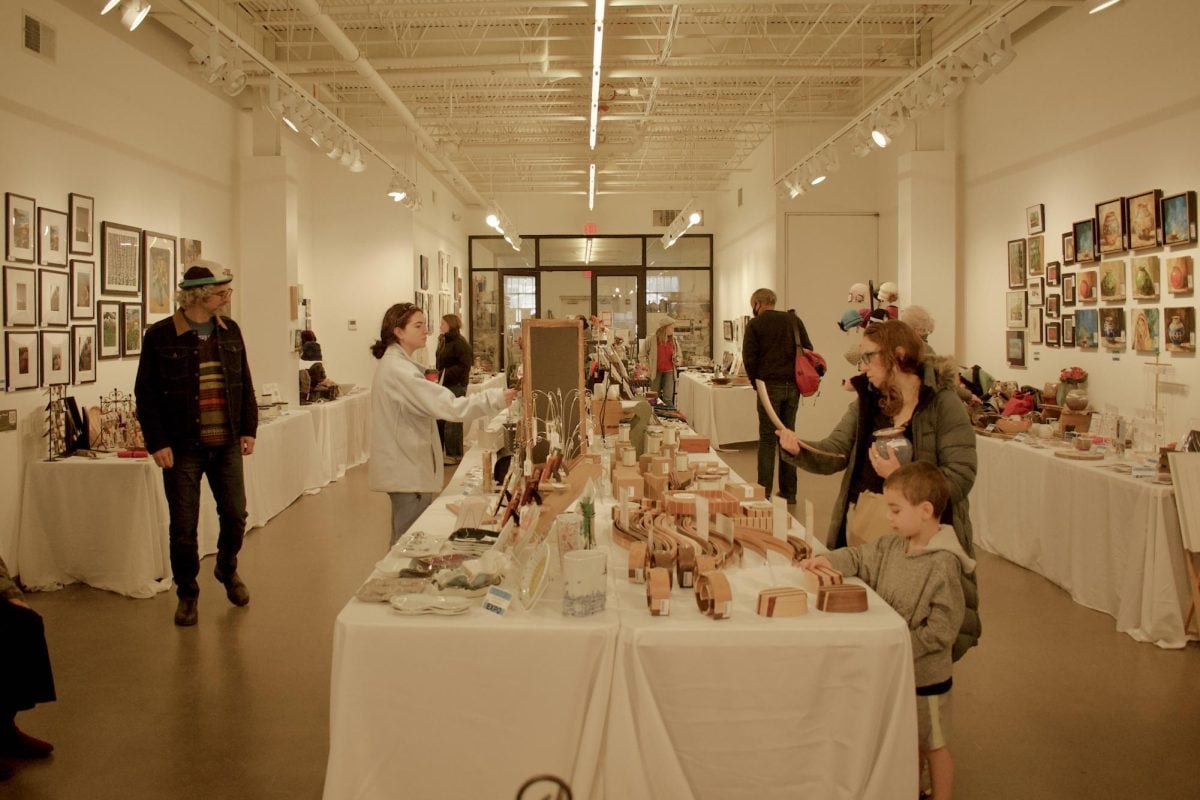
x=927, y=233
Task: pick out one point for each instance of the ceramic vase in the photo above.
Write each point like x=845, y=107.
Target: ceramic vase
x=1077, y=400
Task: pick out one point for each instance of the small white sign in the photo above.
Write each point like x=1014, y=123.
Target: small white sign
x=497, y=601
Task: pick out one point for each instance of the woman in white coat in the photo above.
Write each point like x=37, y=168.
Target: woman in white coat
x=406, y=455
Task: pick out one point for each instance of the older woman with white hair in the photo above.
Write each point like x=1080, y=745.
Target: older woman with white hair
x=921, y=321
x=662, y=354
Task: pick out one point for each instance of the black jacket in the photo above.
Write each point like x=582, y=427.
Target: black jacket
x=455, y=357
x=168, y=383
x=769, y=346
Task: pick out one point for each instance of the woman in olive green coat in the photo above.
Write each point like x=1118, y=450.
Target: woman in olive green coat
x=898, y=386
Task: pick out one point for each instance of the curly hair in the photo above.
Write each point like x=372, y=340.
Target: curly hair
x=185, y=298
x=900, y=350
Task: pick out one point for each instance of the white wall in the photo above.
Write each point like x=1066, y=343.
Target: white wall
x=153, y=148
x=1094, y=107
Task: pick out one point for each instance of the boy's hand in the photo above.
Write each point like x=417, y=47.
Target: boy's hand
x=816, y=561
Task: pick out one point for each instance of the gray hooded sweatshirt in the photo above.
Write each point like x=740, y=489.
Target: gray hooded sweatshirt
x=923, y=586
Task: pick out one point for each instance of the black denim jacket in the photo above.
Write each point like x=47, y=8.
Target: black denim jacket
x=168, y=383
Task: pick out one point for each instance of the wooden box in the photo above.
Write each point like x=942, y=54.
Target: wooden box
x=609, y=411
x=656, y=485
x=694, y=444
x=1080, y=421
x=842, y=598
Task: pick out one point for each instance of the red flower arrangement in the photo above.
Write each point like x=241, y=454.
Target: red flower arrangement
x=1073, y=375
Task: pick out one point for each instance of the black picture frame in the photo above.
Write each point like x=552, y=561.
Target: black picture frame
x=1068, y=248
x=1053, y=273
x=132, y=323
x=160, y=260
x=22, y=370
x=1112, y=227
x=54, y=298
x=1068, y=330
x=1014, y=348
x=56, y=357
x=83, y=289
x=1018, y=263
x=108, y=333
x=81, y=221
x=20, y=297
x=53, y=237
x=1084, y=236
x=1142, y=216
x=1053, y=306
x=84, y=352
x=1068, y=290
x=20, y=228
x=1178, y=215
x=1035, y=219
x=120, y=259
x=1053, y=337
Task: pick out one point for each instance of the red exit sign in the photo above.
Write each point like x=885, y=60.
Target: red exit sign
x=589, y=229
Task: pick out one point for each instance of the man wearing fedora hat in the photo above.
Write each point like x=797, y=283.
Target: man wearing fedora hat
x=199, y=417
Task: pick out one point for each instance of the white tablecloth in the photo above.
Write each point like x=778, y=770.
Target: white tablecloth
x=473, y=429
x=622, y=705
x=104, y=521
x=725, y=414
x=343, y=431
x=1112, y=541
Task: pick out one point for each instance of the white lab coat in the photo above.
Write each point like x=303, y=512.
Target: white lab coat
x=406, y=455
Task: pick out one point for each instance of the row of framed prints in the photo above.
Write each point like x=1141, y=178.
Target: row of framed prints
x=1110, y=282
x=1142, y=330
x=46, y=358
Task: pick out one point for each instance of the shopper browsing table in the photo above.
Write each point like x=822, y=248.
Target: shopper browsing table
x=454, y=359
x=662, y=356
x=898, y=387
x=406, y=457
x=199, y=417
x=25, y=675
x=769, y=355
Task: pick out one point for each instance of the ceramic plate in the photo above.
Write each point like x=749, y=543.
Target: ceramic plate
x=429, y=604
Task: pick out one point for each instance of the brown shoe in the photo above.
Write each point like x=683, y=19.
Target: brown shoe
x=17, y=744
x=185, y=612
x=235, y=589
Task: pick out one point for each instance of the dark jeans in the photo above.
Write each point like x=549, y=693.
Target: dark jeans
x=785, y=398
x=223, y=466
x=25, y=675
x=451, y=433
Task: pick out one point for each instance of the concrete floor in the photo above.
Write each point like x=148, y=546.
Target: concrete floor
x=1053, y=704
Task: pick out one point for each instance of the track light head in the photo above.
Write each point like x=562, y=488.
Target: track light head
x=134, y=14
x=357, y=164
x=109, y=6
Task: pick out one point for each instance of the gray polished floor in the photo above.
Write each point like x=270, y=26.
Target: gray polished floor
x=1054, y=703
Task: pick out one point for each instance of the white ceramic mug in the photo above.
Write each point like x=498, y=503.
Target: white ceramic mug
x=585, y=582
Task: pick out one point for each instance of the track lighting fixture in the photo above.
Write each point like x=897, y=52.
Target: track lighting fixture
x=685, y=219
x=132, y=15
x=498, y=221
x=1096, y=6
x=357, y=164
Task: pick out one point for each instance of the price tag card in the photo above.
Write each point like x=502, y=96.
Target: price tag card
x=497, y=601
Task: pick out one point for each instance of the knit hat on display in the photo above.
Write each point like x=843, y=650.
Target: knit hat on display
x=204, y=273
x=858, y=293
x=888, y=293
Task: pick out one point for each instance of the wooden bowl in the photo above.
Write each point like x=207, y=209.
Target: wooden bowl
x=1006, y=425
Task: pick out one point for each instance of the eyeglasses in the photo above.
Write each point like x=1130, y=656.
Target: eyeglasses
x=224, y=294
x=865, y=357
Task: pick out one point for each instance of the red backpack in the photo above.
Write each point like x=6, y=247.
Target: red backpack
x=810, y=366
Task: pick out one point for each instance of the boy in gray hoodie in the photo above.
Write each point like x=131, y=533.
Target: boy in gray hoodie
x=917, y=572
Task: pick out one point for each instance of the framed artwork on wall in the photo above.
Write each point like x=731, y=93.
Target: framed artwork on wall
x=20, y=297
x=1088, y=289
x=443, y=271
x=1014, y=348
x=158, y=276
x=1068, y=248
x=56, y=357
x=1145, y=330
x=1112, y=328
x=1068, y=330
x=189, y=253
x=1087, y=329
x=423, y=275
x=81, y=216
x=1035, y=219
x=1036, y=291
x=1035, y=326
x=1179, y=275
x=1179, y=218
x=727, y=330
x=83, y=348
x=1053, y=306
x=54, y=289
x=1015, y=310
x=1053, y=273
x=1180, y=330
x=22, y=359
x=131, y=329
x=1053, y=334
x=1017, y=264
x=1142, y=215
x=1037, y=255
x=1112, y=280
x=109, y=343
x=20, y=236
x=1068, y=290
x=1145, y=277
x=120, y=259
x=1085, y=240
x=52, y=241
x=1111, y=236
x=83, y=289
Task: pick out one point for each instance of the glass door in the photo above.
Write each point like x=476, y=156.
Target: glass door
x=618, y=303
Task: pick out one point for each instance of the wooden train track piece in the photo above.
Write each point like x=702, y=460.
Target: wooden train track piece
x=639, y=562
x=819, y=577
x=783, y=601
x=714, y=595
x=658, y=592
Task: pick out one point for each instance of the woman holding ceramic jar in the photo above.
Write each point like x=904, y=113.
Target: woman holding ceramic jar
x=406, y=457
x=909, y=396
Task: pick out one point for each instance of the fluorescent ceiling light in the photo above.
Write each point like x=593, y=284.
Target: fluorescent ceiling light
x=597, y=49
x=591, y=188
x=109, y=6
x=1100, y=5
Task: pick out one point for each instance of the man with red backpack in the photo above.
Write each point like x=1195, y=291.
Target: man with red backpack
x=769, y=354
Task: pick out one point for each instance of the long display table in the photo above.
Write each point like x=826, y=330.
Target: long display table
x=725, y=414
x=104, y=521
x=621, y=704
x=1112, y=541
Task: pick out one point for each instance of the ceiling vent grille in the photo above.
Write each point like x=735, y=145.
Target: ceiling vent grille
x=39, y=38
x=663, y=217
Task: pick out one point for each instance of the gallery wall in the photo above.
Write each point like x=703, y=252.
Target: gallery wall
x=153, y=148
x=1093, y=108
